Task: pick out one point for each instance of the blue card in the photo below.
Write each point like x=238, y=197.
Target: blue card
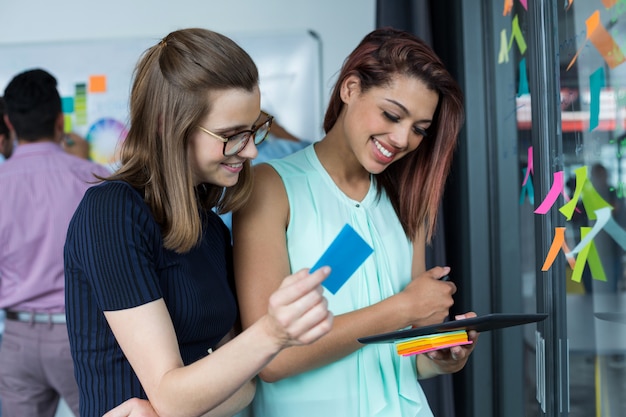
x=344, y=255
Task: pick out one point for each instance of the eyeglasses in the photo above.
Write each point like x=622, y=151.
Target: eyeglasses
x=234, y=144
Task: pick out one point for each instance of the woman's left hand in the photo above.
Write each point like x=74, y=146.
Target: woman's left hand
x=451, y=360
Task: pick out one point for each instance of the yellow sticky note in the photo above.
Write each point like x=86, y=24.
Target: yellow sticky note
x=67, y=123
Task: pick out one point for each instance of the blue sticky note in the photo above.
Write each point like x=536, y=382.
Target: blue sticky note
x=596, y=83
x=344, y=255
x=67, y=104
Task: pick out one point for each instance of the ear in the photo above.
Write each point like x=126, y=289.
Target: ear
x=8, y=122
x=60, y=123
x=350, y=88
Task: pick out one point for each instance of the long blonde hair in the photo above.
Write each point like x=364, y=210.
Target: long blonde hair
x=171, y=84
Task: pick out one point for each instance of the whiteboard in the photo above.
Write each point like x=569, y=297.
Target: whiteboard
x=94, y=79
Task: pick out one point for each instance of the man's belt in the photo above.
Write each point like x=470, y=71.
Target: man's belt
x=33, y=317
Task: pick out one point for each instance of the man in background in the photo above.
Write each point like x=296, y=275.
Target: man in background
x=41, y=187
x=6, y=141
x=6, y=147
x=72, y=143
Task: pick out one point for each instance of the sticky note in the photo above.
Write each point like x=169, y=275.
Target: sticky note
x=553, y=194
x=427, y=343
x=67, y=123
x=344, y=255
x=523, y=79
x=80, y=104
x=596, y=83
x=98, y=84
x=602, y=40
x=67, y=104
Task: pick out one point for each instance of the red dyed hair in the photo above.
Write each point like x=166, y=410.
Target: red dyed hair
x=416, y=182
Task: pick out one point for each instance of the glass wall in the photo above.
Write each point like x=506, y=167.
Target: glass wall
x=571, y=113
x=536, y=203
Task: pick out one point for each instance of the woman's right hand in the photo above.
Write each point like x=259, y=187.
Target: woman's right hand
x=298, y=312
x=427, y=299
x=133, y=407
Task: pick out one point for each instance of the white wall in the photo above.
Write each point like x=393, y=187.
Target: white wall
x=340, y=24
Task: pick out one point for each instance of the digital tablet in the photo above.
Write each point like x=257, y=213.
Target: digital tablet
x=482, y=323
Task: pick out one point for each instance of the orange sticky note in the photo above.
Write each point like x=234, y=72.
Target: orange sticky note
x=603, y=42
x=98, y=84
x=592, y=23
x=558, y=243
x=508, y=5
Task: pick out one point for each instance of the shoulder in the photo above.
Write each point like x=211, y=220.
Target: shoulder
x=115, y=205
x=294, y=170
x=268, y=183
x=268, y=194
x=295, y=162
x=112, y=194
x=265, y=172
x=99, y=169
x=112, y=187
x=86, y=165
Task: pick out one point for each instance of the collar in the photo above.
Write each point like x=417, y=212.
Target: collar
x=35, y=148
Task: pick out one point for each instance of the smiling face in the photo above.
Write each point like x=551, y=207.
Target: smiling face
x=386, y=123
x=232, y=111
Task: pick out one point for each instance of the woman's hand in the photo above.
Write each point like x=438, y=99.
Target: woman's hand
x=427, y=298
x=76, y=145
x=298, y=312
x=446, y=361
x=133, y=407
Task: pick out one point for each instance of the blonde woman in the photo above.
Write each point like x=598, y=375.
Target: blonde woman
x=151, y=308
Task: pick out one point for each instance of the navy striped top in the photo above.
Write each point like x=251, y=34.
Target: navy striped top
x=114, y=259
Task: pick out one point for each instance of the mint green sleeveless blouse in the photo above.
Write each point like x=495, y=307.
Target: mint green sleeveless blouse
x=373, y=381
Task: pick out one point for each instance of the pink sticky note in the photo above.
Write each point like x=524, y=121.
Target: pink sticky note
x=553, y=194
